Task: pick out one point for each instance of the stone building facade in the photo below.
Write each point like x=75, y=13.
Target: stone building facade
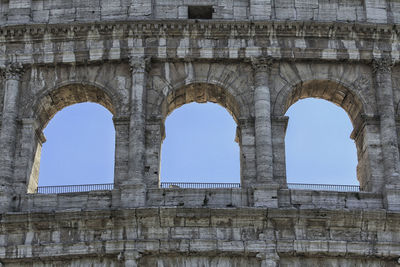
x=141, y=59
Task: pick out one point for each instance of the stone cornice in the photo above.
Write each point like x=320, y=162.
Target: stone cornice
x=218, y=28
x=48, y=41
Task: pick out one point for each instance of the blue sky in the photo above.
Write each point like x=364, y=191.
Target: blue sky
x=199, y=145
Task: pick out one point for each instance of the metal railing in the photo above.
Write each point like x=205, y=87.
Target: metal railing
x=60, y=189
x=324, y=187
x=198, y=185
x=296, y=186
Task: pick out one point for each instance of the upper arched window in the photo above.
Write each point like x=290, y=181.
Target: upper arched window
x=200, y=137
x=318, y=145
x=80, y=137
x=79, y=148
x=200, y=145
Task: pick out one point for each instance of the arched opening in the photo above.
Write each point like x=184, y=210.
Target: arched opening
x=79, y=148
x=319, y=149
x=203, y=114
x=347, y=101
x=200, y=146
x=61, y=101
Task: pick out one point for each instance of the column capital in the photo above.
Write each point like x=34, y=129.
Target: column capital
x=382, y=65
x=262, y=63
x=139, y=64
x=13, y=71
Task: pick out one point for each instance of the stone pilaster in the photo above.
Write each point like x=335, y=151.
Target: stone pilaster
x=129, y=258
x=262, y=111
x=245, y=134
x=28, y=156
x=155, y=134
x=366, y=135
x=382, y=69
x=279, y=125
x=132, y=186
x=137, y=119
x=8, y=133
x=121, y=168
x=270, y=258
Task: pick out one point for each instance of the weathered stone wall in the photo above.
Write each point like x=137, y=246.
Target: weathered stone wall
x=141, y=60
x=50, y=11
x=201, y=237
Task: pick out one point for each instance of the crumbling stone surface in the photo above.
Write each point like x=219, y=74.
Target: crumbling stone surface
x=142, y=60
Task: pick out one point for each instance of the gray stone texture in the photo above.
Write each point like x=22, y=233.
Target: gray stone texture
x=143, y=59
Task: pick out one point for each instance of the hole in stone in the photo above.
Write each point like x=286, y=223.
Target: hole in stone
x=200, y=12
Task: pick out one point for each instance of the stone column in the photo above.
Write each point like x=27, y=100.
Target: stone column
x=262, y=111
x=137, y=118
x=8, y=133
x=382, y=69
x=133, y=189
x=384, y=95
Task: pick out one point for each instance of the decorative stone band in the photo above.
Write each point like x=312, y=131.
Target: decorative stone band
x=13, y=71
x=139, y=64
x=382, y=65
x=246, y=122
x=121, y=120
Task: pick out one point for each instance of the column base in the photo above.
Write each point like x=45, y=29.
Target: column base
x=133, y=196
x=391, y=197
x=266, y=195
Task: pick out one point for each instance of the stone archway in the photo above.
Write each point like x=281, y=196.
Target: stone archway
x=67, y=95
x=363, y=128
x=200, y=93
x=44, y=110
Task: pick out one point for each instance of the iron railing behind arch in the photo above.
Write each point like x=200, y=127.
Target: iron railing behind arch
x=61, y=189
x=324, y=187
x=198, y=185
